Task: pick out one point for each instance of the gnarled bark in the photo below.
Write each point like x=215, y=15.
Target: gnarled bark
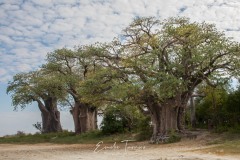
x=75, y=114
x=85, y=117
x=166, y=117
x=50, y=116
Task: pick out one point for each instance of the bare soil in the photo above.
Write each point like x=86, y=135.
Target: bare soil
x=187, y=149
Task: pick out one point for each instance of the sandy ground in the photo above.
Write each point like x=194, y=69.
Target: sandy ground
x=185, y=150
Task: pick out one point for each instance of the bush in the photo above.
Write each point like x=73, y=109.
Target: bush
x=20, y=133
x=235, y=129
x=113, y=121
x=220, y=129
x=38, y=126
x=144, y=128
x=173, y=137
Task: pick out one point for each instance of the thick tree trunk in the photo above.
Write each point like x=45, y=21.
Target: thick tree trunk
x=85, y=118
x=51, y=122
x=50, y=116
x=165, y=118
x=92, y=119
x=75, y=113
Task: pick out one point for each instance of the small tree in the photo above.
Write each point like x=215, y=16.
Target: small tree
x=38, y=126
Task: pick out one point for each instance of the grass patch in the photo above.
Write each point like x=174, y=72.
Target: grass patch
x=228, y=147
x=173, y=138
x=66, y=138
x=224, y=143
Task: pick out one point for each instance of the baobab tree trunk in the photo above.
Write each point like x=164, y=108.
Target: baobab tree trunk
x=75, y=113
x=88, y=118
x=51, y=122
x=50, y=116
x=166, y=117
x=85, y=117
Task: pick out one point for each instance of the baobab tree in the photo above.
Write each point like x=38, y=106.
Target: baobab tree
x=73, y=66
x=45, y=89
x=159, y=65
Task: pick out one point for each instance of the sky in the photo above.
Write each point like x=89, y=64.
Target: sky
x=29, y=29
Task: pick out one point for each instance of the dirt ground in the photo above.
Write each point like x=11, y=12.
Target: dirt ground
x=184, y=150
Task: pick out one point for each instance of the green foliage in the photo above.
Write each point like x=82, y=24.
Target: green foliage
x=34, y=86
x=233, y=107
x=20, y=133
x=235, y=129
x=221, y=128
x=118, y=119
x=164, y=59
x=144, y=128
x=219, y=108
x=213, y=107
x=173, y=137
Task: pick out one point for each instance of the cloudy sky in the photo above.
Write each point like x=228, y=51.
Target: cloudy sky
x=29, y=29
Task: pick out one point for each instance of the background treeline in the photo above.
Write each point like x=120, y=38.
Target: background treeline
x=219, y=110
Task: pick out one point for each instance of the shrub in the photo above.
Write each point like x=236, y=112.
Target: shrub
x=20, y=133
x=173, y=137
x=144, y=128
x=113, y=121
x=38, y=126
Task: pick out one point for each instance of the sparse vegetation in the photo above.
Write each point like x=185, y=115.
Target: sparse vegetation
x=65, y=138
x=174, y=137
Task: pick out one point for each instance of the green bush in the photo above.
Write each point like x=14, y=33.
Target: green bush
x=113, y=121
x=221, y=129
x=144, y=128
x=173, y=137
x=20, y=133
x=219, y=107
x=235, y=129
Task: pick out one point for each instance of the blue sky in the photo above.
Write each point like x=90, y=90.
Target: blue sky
x=29, y=29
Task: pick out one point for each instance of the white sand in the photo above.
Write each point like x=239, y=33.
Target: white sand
x=185, y=150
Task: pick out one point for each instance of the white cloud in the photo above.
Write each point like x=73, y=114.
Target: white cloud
x=66, y=12
x=42, y=2
x=2, y=72
x=60, y=26
x=30, y=29
x=6, y=39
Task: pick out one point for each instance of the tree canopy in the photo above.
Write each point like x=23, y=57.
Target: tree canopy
x=42, y=88
x=158, y=65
